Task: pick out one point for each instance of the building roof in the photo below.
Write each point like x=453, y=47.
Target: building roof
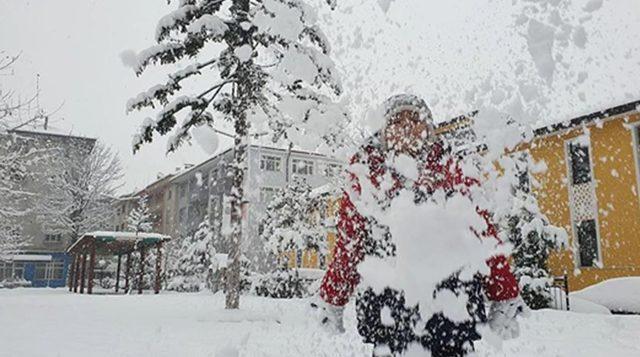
x=589, y=118
x=462, y=124
x=215, y=156
x=122, y=241
x=35, y=132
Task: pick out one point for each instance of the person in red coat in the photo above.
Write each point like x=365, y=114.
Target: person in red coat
x=409, y=131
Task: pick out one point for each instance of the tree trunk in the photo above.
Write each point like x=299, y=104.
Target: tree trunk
x=237, y=195
x=242, y=95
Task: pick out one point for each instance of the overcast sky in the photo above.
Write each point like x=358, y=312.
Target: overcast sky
x=437, y=49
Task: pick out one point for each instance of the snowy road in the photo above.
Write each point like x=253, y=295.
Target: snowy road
x=48, y=322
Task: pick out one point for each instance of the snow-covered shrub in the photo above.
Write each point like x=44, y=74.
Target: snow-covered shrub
x=194, y=268
x=532, y=235
x=280, y=284
x=149, y=274
x=15, y=283
x=289, y=224
x=140, y=218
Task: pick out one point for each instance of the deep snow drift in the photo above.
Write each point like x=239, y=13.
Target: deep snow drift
x=39, y=322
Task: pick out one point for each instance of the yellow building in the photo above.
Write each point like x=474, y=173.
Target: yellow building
x=591, y=188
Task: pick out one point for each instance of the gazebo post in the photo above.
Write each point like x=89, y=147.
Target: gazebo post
x=84, y=269
x=92, y=266
x=72, y=270
x=126, y=273
x=118, y=273
x=156, y=288
x=141, y=276
x=76, y=273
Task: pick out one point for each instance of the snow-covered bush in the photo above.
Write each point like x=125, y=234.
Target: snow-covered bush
x=290, y=225
x=194, y=268
x=149, y=266
x=140, y=218
x=532, y=235
x=280, y=284
x=15, y=283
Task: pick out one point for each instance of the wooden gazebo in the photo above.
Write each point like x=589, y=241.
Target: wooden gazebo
x=114, y=244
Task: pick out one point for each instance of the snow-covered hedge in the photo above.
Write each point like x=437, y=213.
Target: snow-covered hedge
x=618, y=295
x=286, y=284
x=14, y=283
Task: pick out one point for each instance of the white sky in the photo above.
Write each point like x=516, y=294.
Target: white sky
x=437, y=49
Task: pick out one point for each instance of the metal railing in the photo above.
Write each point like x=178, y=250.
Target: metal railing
x=560, y=293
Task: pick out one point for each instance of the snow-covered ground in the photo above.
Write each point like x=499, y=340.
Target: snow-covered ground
x=53, y=322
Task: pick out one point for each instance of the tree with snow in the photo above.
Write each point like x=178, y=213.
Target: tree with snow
x=269, y=73
x=17, y=162
x=533, y=238
x=82, y=190
x=289, y=224
x=14, y=199
x=140, y=219
x=194, y=266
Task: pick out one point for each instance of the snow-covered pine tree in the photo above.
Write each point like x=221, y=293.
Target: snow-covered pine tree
x=533, y=238
x=194, y=266
x=270, y=72
x=289, y=224
x=140, y=219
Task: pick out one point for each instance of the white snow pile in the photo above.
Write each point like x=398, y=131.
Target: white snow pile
x=170, y=325
x=576, y=304
x=618, y=295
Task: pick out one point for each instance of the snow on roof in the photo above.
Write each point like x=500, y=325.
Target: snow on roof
x=121, y=236
x=322, y=190
x=27, y=257
x=49, y=133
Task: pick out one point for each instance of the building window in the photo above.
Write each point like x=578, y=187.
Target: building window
x=53, y=238
x=579, y=161
x=182, y=190
x=267, y=194
x=636, y=146
x=586, y=231
x=332, y=170
x=270, y=163
x=11, y=270
x=49, y=270
x=41, y=271
x=299, y=258
x=302, y=167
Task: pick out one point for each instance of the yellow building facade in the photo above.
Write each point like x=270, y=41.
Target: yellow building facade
x=591, y=188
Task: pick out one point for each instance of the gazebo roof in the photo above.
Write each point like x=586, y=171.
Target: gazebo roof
x=118, y=242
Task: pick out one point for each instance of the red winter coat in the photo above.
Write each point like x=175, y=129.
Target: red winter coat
x=342, y=276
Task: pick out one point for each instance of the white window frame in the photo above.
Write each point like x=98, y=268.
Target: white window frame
x=264, y=159
x=57, y=238
x=274, y=191
x=574, y=232
x=329, y=169
x=307, y=161
x=11, y=267
x=635, y=142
